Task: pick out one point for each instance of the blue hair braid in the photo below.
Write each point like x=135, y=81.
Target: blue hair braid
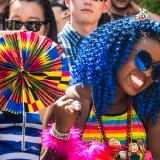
x=103, y=53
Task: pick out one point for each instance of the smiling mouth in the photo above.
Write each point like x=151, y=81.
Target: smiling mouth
x=137, y=82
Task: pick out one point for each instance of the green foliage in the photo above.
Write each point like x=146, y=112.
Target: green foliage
x=151, y=5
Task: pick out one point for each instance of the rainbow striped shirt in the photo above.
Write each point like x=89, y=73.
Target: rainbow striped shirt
x=115, y=130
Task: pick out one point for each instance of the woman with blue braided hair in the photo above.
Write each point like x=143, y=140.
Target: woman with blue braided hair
x=116, y=97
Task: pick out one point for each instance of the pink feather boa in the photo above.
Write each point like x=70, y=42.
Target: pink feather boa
x=76, y=149
x=148, y=156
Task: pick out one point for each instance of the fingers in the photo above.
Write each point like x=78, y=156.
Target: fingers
x=63, y=101
x=63, y=98
x=76, y=106
x=65, y=115
x=66, y=104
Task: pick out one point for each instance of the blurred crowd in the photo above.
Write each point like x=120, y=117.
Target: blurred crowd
x=68, y=23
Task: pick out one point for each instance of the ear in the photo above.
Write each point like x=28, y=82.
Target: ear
x=65, y=14
x=67, y=3
x=107, y=6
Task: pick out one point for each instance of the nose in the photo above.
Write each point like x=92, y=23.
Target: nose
x=148, y=72
x=23, y=28
x=88, y=2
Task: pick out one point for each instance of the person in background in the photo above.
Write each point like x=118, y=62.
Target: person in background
x=115, y=101
x=36, y=16
x=13, y=16
x=105, y=17
x=3, y=4
x=85, y=16
x=61, y=13
x=119, y=9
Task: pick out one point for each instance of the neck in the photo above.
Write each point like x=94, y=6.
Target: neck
x=119, y=105
x=61, y=24
x=83, y=28
x=120, y=102
x=122, y=12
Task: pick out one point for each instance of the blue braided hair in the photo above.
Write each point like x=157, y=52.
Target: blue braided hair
x=103, y=53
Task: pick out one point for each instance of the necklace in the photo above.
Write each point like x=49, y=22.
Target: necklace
x=129, y=128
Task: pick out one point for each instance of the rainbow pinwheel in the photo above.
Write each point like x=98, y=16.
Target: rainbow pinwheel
x=33, y=72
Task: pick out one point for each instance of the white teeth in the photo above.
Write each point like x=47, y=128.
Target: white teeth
x=136, y=80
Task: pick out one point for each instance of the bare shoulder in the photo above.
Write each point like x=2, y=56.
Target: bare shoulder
x=153, y=132
x=79, y=92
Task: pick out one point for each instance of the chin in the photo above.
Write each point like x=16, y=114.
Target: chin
x=132, y=92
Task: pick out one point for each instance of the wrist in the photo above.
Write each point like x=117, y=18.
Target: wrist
x=59, y=135
x=63, y=129
x=139, y=9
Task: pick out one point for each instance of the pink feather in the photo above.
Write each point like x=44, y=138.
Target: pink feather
x=76, y=149
x=148, y=156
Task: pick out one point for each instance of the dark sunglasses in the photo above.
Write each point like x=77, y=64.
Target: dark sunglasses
x=30, y=25
x=57, y=4
x=144, y=62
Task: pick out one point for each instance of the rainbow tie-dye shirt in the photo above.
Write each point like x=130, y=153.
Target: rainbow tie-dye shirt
x=115, y=130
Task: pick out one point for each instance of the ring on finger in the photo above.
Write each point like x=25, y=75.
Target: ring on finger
x=68, y=103
x=76, y=105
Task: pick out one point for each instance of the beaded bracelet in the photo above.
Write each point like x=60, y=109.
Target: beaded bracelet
x=58, y=135
x=142, y=15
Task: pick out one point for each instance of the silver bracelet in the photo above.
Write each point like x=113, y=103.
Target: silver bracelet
x=58, y=135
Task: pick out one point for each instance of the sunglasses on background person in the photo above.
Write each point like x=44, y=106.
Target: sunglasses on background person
x=61, y=5
x=30, y=25
x=144, y=62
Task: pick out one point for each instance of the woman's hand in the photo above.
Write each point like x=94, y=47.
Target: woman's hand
x=133, y=8
x=65, y=115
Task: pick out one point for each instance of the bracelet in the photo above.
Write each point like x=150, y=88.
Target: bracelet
x=142, y=16
x=76, y=148
x=58, y=135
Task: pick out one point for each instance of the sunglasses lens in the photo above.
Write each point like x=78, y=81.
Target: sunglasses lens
x=30, y=26
x=13, y=25
x=33, y=26
x=57, y=4
x=143, y=60
x=156, y=72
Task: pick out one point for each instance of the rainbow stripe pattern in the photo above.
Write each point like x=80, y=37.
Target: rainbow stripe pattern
x=34, y=72
x=115, y=130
